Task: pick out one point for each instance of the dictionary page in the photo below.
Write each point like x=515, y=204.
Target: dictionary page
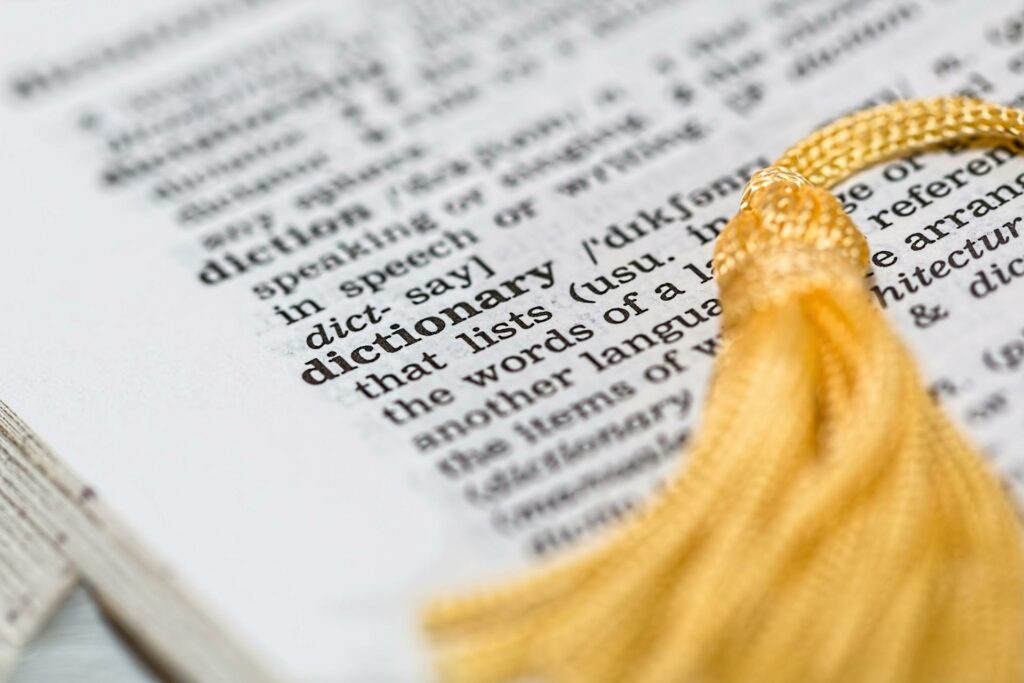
x=340, y=306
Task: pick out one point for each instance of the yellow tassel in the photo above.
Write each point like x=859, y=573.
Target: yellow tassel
x=830, y=525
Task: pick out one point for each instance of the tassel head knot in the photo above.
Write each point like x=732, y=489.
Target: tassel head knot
x=790, y=234
x=780, y=211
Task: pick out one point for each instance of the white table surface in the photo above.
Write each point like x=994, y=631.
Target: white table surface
x=78, y=645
